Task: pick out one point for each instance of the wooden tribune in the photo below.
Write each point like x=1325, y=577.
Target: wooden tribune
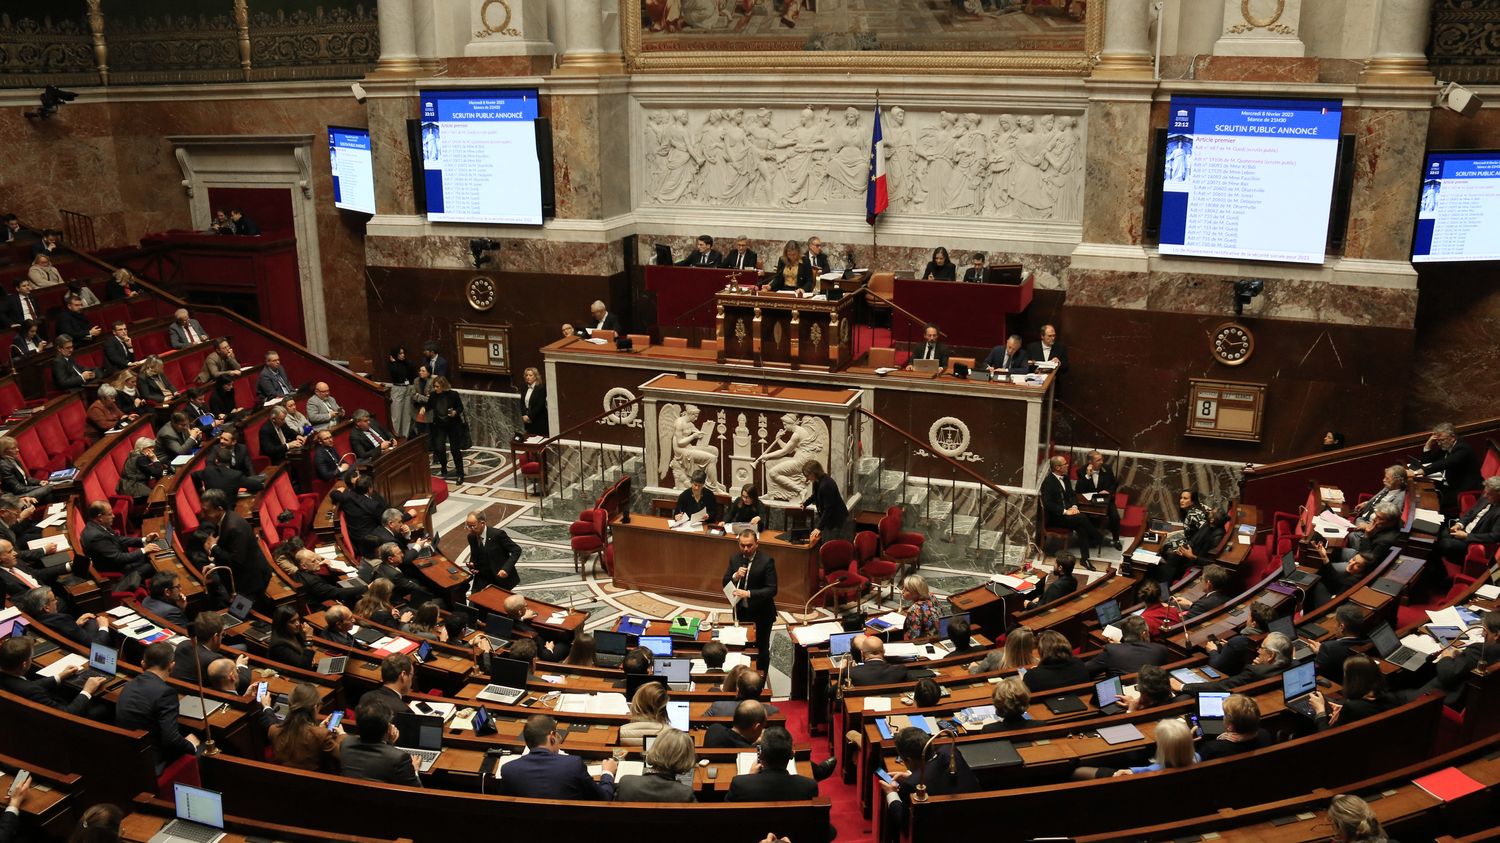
x=786, y=331
x=651, y=556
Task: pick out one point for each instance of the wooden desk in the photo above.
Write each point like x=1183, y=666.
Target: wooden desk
x=651, y=556
x=783, y=330
x=972, y=315
x=151, y=814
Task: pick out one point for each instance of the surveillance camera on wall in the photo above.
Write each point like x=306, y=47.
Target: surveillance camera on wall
x=1455, y=97
x=359, y=93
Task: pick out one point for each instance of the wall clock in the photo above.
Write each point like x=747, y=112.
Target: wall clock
x=1232, y=343
x=481, y=293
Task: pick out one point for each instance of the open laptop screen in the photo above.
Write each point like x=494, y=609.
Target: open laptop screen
x=659, y=645
x=103, y=658
x=419, y=731
x=614, y=643
x=1385, y=640
x=1211, y=705
x=197, y=805
x=499, y=625
x=1108, y=612
x=838, y=643
x=676, y=670
x=1299, y=680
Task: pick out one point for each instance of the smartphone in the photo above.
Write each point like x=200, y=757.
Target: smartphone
x=22, y=777
x=1210, y=672
x=424, y=707
x=885, y=777
x=335, y=720
x=260, y=689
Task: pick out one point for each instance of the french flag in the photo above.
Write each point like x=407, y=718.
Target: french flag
x=876, y=198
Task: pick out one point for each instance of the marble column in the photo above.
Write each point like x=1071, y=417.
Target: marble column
x=1119, y=138
x=1127, y=52
x=398, y=37
x=424, y=28
x=584, y=52
x=1400, y=56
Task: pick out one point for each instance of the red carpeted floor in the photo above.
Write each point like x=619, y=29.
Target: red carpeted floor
x=847, y=819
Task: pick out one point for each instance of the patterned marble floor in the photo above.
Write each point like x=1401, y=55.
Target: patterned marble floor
x=546, y=566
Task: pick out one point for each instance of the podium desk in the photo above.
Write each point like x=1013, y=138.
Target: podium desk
x=651, y=556
x=783, y=330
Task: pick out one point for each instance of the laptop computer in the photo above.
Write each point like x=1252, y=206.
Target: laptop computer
x=332, y=665
x=200, y=817
x=1108, y=694
x=39, y=645
x=421, y=736
x=1392, y=650
x=1108, y=612
x=1284, y=625
x=1296, y=684
x=241, y=607
x=990, y=755
x=1297, y=576
x=838, y=643
x=659, y=645
x=194, y=707
x=679, y=673
x=926, y=364
x=103, y=661
x=1063, y=704
x=944, y=620
x=1211, y=713
x=498, y=628
x=507, y=680
x=610, y=648
x=796, y=536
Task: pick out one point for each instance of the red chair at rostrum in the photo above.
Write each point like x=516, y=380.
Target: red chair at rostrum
x=589, y=538
x=873, y=568
x=903, y=548
x=842, y=572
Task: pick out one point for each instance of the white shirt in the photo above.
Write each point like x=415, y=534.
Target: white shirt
x=600, y=326
x=1046, y=352
x=527, y=399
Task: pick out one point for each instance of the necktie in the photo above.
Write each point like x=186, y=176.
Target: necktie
x=929, y=355
x=192, y=335
x=739, y=262
x=26, y=308
x=375, y=437
x=24, y=577
x=1005, y=364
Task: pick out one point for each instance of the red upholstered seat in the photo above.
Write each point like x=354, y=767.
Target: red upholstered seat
x=1467, y=499
x=1132, y=517
x=892, y=545
x=589, y=537
x=439, y=488
x=841, y=571
x=184, y=769
x=871, y=566
x=902, y=537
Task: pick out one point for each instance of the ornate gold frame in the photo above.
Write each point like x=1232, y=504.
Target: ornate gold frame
x=1032, y=63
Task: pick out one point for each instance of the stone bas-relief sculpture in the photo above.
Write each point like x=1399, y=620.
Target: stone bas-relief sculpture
x=772, y=462
x=1010, y=166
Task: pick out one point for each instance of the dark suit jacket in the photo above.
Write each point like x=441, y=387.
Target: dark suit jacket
x=66, y=373
x=326, y=462
x=359, y=442
x=148, y=702
x=75, y=325
x=246, y=226
x=1207, y=603
x=1019, y=362
x=1127, y=657
x=116, y=355
x=536, y=409
x=877, y=672
x=14, y=313
x=251, y=572
x=43, y=692
x=1045, y=677
x=832, y=511
x=611, y=323
x=1452, y=674
x=382, y=534
x=1459, y=465
x=817, y=263
x=946, y=272
x=721, y=736
x=1234, y=654
x=273, y=383
x=67, y=626
x=1059, y=353
x=1104, y=481
x=686, y=505
x=1487, y=531
x=177, y=335
x=939, y=352
x=110, y=551
x=807, y=280
x=221, y=477
x=377, y=762
x=760, y=581
x=274, y=447
x=30, y=558
x=653, y=787
x=152, y=390
x=771, y=786
x=543, y=774
x=498, y=553
x=186, y=670
x=1331, y=656
x=168, y=612
x=974, y=275
x=362, y=514
x=935, y=776
x=732, y=260
x=1057, y=496
x=1059, y=588
x=725, y=708
x=709, y=259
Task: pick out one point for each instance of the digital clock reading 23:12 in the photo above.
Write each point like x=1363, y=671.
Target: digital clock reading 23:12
x=1232, y=343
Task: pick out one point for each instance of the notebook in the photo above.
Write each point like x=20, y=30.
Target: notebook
x=200, y=817
x=1449, y=784
x=1296, y=684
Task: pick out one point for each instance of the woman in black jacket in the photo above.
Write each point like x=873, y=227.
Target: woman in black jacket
x=792, y=272
x=449, y=430
x=288, y=641
x=747, y=508
x=941, y=267
x=534, y=403
x=1364, y=695
x=1059, y=667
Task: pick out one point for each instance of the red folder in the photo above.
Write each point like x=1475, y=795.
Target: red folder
x=1449, y=784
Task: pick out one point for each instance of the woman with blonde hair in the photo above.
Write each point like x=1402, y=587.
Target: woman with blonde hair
x=921, y=617
x=448, y=431
x=792, y=272
x=376, y=606
x=153, y=383
x=671, y=756
x=1011, y=698
x=534, y=403
x=1353, y=821
x=1174, y=748
x=648, y=714
x=1019, y=651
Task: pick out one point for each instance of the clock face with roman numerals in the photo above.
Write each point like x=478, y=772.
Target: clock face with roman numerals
x=1232, y=344
x=481, y=293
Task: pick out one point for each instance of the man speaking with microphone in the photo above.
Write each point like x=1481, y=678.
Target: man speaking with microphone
x=754, y=576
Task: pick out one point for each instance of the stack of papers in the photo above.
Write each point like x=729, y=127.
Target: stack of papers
x=976, y=716
x=1141, y=556
x=627, y=768
x=745, y=761
x=392, y=644
x=688, y=526
x=558, y=617
x=1331, y=524
x=730, y=661
x=877, y=703
x=56, y=669
x=813, y=634
x=889, y=620
x=1331, y=495
x=596, y=341
x=1017, y=584
x=1488, y=592
x=417, y=502
x=1112, y=633
x=441, y=709
x=908, y=650
x=736, y=636
x=593, y=703
x=1422, y=643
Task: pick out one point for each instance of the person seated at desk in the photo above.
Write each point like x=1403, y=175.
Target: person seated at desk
x=223, y=402
x=339, y=624
x=152, y=384
x=67, y=373
x=695, y=499
x=703, y=254
x=288, y=644
x=747, y=508
x=148, y=703
x=545, y=773
x=1180, y=550
x=1019, y=651
x=1273, y=657
x=1349, y=623
x=1060, y=582
x=178, y=436
x=941, y=267
x=670, y=758
x=1011, y=698
x=926, y=693
x=104, y=414
x=277, y=437
x=740, y=257
x=27, y=342
x=1449, y=462
x=370, y=753
x=1157, y=613
x=1009, y=358
x=749, y=684
x=1454, y=664
x=1048, y=348
x=1364, y=695
x=1480, y=525
x=1058, y=667
x=1097, y=479
x=85, y=630
x=1377, y=537
x=302, y=741
x=930, y=348
x=921, y=617
x=141, y=470
x=326, y=461
x=1153, y=687
x=1060, y=507
x=975, y=272
x=960, y=636
x=15, y=673
x=73, y=322
x=221, y=474
x=1353, y=821
x=602, y=319
x=396, y=673
x=1231, y=656
x=1392, y=491
x=815, y=256
x=1134, y=651
x=552, y=650
x=110, y=551
x=165, y=598
x=1242, y=732
x=911, y=745
x=873, y=669
x=648, y=714
x=749, y=722
x=1174, y=749
x=19, y=577
x=792, y=272
x=367, y=440
x=1220, y=582
x=376, y=606
x=769, y=780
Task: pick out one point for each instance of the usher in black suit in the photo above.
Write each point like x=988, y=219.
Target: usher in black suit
x=760, y=607
x=497, y=553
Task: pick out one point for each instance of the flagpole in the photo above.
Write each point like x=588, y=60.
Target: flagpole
x=875, y=226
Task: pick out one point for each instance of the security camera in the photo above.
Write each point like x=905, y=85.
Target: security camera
x=1246, y=289
x=478, y=247
x=359, y=93
x=1455, y=97
x=52, y=98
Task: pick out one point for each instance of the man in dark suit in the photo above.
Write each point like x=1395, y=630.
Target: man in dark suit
x=272, y=382
x=166, y=599
x=602, y=319
x=14, y=233
x=704, y=255
x=66, y=373
x=41, y=604
x=930, y=348
x=185, y=331
x=242, y=224
x=1097, y=478
x=237, y=542
x=367, y=439
x=1480, y=525
x=1454, y=666
x=772, y=782
x=15, y=668
x=1232, y=655
x=119, y=349
x=873, y=668
x=396, y=672
x=492, y=554
x=1272, y=658
x=49, y=244
x=975, y=272
x=1134, y=650
x=110, y=551
x=1048, y=348
x=1451, y=463
x=369, y=754
x=362, y=509
x=1009, y=358
x=749, y=687
x=1220, y=581
x=815, y=257
x=911, y=743
x=754, y=575
x=394, y=530
x=320, y=583
x=220, y=475
x=19, y=306
x=437, y=366
x=1350, y=622
x=1378, y=536
x=277, y=437
x=1060, y=507
x=742, y=733
x=74, y=323
x=19, y=575
x=147, y=702
x=339, y=628
x=740, y=257
x=1060, y=583
x=326, y=463
x=545, y=773
x=203, y=647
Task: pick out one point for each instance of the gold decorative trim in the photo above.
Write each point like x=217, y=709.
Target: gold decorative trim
x=999, y=62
